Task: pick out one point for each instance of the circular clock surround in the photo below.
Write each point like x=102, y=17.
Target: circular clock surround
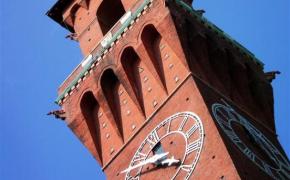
x=186, y=130
x=278, y=167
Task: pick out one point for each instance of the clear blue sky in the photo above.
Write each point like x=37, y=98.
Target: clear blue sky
x=35, y=58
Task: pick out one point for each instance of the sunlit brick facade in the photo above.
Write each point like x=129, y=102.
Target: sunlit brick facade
x=146, y=60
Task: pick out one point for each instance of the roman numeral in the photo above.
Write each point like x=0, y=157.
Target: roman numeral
x=224, y=122
x=267, y=169
x=168, y=127
x=228, y=114
x=139, y=157
x=186, y=168
x=249, y=154
x=153, y=138
x=223, y=118
x=133, y=178
x=183, y=123
x=192, y=146
x=233, y=136
x=191, y=130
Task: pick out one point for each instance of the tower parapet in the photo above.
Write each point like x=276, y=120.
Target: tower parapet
x=156, y=82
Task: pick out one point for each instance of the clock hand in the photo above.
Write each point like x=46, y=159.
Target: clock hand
x=170, y=161
x=151, y=160
x=157, y=157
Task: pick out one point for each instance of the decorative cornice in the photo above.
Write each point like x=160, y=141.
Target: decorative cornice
x=104, y=49
x=110, y=42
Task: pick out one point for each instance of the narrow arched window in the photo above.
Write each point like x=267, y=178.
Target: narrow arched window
x=108, y=14
x=90, y=108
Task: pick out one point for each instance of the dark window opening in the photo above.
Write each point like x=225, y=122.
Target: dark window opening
x=73, y=12
x=151, y=40
x=131, y=62
x=110, y=85
x=109, y=12
x=90, y=107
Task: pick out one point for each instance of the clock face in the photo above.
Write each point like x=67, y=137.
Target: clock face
x=173, y=147
x=251, y=142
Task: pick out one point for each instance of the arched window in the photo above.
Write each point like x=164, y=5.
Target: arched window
x=130, y=62
x=90, y=107
x=151, y=40
x=73, y=11
x=108, y=13
x=110, y=85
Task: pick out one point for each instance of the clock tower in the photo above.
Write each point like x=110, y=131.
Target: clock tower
x=163, y=93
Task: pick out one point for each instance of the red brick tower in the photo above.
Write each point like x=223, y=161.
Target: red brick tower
x=163, y=93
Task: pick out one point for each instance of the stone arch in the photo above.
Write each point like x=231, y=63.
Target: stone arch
x=89, y=108
x=151, y=38
x=73, y=11
x=108, y=14
x=131, y=64
x=110, y=85
x=122, y=102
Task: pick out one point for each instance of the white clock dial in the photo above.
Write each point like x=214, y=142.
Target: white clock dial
x=273, y=162
x=173, y=146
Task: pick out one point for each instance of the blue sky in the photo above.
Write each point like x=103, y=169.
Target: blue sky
x=35, y=58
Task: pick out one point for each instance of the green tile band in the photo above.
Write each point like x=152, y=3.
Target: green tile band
x=125, y=25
